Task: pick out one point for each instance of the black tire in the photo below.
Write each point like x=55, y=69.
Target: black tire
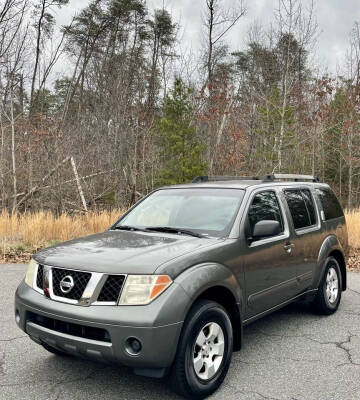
x=55, y=351
x=184, y=379
x=322, y=303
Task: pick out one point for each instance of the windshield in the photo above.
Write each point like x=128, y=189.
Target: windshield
x=202, y=210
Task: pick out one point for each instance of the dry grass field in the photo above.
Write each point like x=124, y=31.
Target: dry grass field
x=23, y=234
x=353, y=224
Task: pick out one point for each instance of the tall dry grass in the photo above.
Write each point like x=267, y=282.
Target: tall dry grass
x=353, y=225
x=37, y=229
x=34, y=230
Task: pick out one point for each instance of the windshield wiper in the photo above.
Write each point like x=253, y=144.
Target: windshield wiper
x=169, y=229
x=166, y=229
x=129, y=228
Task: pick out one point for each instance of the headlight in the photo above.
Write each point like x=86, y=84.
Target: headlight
x=143, y=289
x=30, y=273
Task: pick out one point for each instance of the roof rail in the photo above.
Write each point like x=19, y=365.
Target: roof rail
x=200, y=179
x=290, y=177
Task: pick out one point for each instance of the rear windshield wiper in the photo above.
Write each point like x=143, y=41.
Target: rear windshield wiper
x=169, y=229
x=129, y=228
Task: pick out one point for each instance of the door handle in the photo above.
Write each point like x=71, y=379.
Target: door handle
x=288, y=247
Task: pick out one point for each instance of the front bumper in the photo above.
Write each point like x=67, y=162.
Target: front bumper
x=157, y=326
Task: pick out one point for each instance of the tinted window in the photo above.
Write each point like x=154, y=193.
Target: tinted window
x=264, y=207
x=309, y=205
x=331, y=206
x=297, y=201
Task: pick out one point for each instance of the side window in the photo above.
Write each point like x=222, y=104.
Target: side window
x=309, y=205
x=301, y=207
x=330, y=203
x=264, y=206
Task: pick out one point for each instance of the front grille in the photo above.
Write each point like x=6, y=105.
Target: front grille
x=81, y=279
x=82, y=331
x=110, y=292
x=40, y=277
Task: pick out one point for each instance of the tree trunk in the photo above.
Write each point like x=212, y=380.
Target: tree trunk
x=350, y=183
x=12, y=122
x=220, y=132
x=37, y=55
x=81, y=193
x=210, y=5
x=2, y=160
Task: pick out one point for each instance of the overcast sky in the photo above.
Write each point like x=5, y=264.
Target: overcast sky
x=335, y=19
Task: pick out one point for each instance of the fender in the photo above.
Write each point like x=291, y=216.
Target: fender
x=198, y=278
x=202, y=277
x=329, y=244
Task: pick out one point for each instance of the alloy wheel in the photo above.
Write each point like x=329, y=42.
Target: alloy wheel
x=208, y=351
x=332, y=285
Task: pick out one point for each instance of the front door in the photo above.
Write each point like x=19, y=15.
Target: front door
x=269, y=266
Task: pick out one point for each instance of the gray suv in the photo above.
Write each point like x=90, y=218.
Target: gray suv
x=168, y=288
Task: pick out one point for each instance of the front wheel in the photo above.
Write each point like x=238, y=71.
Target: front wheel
x=328, y=297
x=204, y=352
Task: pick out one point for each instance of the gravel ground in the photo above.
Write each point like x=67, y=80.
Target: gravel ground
x=292, y=354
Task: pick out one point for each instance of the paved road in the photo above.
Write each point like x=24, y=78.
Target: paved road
x=292, y=354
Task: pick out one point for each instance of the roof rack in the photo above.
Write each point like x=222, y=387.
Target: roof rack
x=267, y=178
x=200, y=179
x=290, y=177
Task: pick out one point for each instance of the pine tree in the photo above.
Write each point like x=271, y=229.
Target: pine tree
x=180, y=148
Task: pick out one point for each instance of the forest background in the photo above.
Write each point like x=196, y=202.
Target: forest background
x=133, y=111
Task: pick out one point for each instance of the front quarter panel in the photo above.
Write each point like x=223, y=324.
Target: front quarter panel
x=199, y=278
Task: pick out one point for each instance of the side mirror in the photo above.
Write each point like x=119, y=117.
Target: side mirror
x=266, y=228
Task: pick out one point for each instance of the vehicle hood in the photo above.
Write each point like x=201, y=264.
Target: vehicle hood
x=121, y=251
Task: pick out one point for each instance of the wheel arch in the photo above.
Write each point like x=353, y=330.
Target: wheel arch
x=217, y=283
x=223, y=296
x=331, y=247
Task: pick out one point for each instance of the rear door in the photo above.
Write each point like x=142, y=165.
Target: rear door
x=306, y=239
x=269, y=269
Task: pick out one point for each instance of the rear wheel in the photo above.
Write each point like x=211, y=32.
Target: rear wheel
x=204, y=352
x=328, y=297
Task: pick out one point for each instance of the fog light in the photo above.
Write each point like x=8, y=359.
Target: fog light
x=133, y=346
x=17, y=317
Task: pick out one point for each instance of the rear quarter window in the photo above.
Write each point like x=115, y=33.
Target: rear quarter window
x=330, y=203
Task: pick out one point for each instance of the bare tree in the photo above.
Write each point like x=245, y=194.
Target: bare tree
x=295, y=25
x=13, y=60
x=263, y=108
x=352, y=134
x=43, y=27
x=11, y=20
x=218, y=20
